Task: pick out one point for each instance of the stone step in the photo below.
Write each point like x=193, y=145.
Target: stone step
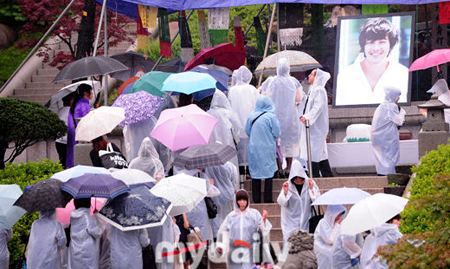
x=41, y=99
x=49, y=85
x=47, y=72
x=34, y=91
x=42, y=78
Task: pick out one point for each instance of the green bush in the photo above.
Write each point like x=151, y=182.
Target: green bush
x=25, y=174
x=418, y=219
x=10, y=59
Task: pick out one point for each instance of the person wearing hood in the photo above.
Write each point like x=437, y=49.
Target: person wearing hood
x=347, y=251
x=384, y=132
x=126, y=248
x=84, y=234
x=295, y=200
x=241, y=225
x=148, y=160
x=168, y=234
x=326, y=233
x=47, y=238
x=285, y=91
x=242, y=97
x=440, y=88
x=316, y=112
x=229, y=129
x=263, y=129
x=387, y=234
x=5, y=236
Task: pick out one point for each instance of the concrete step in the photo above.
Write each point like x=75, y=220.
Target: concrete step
x=41, y=99
x=49, y=85
x=34, y=91
x=47, y=72
x=42, y=78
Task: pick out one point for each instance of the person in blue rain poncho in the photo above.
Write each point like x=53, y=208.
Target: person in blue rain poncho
x=84, y=235
x=384, y=133
x=316, y=112
x=386, y=234
x=223, y=179
x=286, y=92
x=5, y=236
x=347, y=251
x=263, y=128
x=295, y=200
x=47, y=237
x=241, y=225
x=126, y=248
x=326, y=234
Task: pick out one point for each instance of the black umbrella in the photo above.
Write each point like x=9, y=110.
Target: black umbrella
x=89, y=66
x=134, y=60
x=200, y=156
x=43, y=195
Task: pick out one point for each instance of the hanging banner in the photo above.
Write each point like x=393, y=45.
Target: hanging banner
x=290, y=38
x=148, y=15
x=290, y=27
x=374, y=9
x=218, y=36
x=219, y=18
x=260, y=36
x=238, y=34
x=203, y=30
x=164, y=34
x=444, y=12
x=142, y=38
x=187, y=51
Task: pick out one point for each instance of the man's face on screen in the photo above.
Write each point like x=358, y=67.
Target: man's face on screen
x=376, y=51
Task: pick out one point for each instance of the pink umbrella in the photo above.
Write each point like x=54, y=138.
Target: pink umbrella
x=179, y=128
x=63, y=214
x=434, y=58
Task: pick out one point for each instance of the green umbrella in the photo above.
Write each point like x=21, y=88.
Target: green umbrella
x=151, y=82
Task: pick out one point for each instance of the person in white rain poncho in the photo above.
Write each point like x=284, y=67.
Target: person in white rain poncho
x=47, y=237
x=126, y=248
x=162, y=239
x=295, y=200
x=386, y=234
x=347, y=251
x=285, y=91
x=229, y=129
x=5, y=236
x=242, y=98
x=148, y=160
x=84, y=235
x=317, y=113
x=241, y=225
x=326, y=234
x=385, y=140
x=223, y=179
x=263, y=129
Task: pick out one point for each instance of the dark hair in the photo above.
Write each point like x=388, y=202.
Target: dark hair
x=82, y=202
x=82, y=88
x=241, y=195
x=375, y=29
x=99, y=143
x=185, y=99
x=396, y=217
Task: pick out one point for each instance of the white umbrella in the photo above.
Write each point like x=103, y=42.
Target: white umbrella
x=183, y=191
x=341, y=196
x=9, y=213
x=134, y=176
x=77, y=171
x=371, y=212
x=298, y=61
x=98, y=122
x=63, y=92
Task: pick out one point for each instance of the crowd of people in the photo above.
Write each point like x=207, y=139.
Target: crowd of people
x=268, y=129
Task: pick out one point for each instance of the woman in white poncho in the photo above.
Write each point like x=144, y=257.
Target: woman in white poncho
x=148, y=160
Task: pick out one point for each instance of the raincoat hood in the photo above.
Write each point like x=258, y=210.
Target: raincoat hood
x=80, y=212
x=321, y=78
x=391, y=94
x=388, y=229
x=220, y=100
x=265, y=104
x=283, y=68
x=243, y=76
x=332, y=212
x=439, y=87
x=47, y=214
x=297, y=170
x=147, y=149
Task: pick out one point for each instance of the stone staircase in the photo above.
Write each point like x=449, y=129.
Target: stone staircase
x=39, y=87
x=371, y=184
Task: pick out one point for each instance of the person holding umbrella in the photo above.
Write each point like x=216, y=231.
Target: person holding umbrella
x=5, y=236
x=47, y=238
x=78, y=109
x=347, y=251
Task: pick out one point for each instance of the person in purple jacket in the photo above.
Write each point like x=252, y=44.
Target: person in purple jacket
x=78, y=109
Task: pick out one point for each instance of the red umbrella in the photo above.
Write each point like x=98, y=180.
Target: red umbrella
x=225, y=54
x=126, y=83
x=433, y=58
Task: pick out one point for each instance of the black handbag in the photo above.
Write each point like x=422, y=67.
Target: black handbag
x=211, y=207
x=315, y=218
x=112, y=159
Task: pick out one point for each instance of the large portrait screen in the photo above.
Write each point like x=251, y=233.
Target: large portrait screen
x=373, y=52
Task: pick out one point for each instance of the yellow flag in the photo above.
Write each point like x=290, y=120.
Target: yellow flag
x=148, y=16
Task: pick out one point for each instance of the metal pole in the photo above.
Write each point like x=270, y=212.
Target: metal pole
x=171, y=41
x=99, y=28
x=38, y=45
x=269, y=32
x=106, y=50
x=278, y=29
x=251, y=24
x=308, y=146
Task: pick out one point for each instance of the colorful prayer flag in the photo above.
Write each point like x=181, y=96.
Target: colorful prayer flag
x=187, y=51
x=238, y=34
x=203, y=30
x=164, y=34
x=148, y=16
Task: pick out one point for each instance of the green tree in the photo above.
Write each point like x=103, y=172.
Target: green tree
x=23, y=124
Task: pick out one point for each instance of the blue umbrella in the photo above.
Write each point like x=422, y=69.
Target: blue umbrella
x=97, y=185
x=188, y=82
x=137, y=209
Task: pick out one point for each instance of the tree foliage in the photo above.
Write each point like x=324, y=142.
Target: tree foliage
x=23, y=124
x=41, y=14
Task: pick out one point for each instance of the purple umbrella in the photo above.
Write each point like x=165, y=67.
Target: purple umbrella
x=138, y=106
x=97, y=185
